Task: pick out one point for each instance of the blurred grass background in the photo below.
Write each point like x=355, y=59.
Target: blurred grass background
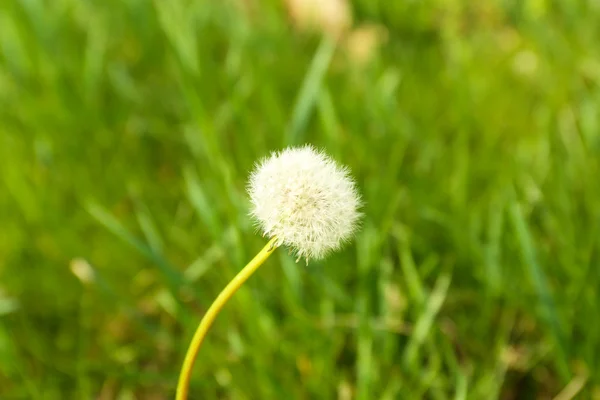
x=127, y=131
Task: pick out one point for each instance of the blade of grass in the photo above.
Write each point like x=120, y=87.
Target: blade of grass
x=149, y=229
x=174, y=278
x=540, y=283
x=92, y=278
x=492, y=247
x=426, y=319
x=309, y=91
x=176, y=23
x=409, y=269
x=12, y=364
x=203, y=207
x=368, y=247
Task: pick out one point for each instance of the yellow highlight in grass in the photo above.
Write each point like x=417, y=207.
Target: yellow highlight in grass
x=213, y=311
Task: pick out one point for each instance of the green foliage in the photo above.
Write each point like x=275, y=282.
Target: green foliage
x=127, y=131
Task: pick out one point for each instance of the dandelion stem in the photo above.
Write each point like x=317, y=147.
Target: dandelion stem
x=213, y=311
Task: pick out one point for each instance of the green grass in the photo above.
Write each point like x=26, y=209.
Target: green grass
x=127, y=132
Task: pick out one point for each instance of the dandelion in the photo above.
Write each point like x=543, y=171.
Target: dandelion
x=306, y=200
x=302, y=199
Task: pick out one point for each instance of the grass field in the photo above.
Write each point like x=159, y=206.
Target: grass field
x=128, y=129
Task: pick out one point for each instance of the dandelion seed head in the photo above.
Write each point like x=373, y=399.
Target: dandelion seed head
x=305, y=199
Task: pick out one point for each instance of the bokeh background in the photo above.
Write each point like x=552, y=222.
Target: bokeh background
x=127, y=132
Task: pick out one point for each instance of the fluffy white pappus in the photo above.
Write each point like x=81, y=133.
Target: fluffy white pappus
x=305, y=199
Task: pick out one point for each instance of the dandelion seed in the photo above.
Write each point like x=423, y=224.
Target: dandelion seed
x=306, y=200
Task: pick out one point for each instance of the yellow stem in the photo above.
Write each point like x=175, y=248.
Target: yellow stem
x=213, y=311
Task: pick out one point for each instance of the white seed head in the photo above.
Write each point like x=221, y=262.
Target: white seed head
x=305, y=199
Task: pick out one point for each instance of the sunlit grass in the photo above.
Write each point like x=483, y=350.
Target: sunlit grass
x=127, y=132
